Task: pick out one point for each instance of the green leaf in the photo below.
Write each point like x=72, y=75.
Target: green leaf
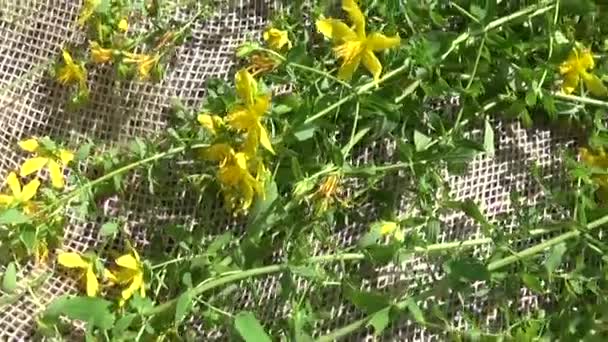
x=380, y=320
x=555, y=257
x=261, y=206
x=368, y=302
x=414, y=309
x=421, y=141
x=108, y=229
x=123, y=324
x=219, y=243
x=84, y=151
x=9, y=281
x=467, y=269
x=183, y=307
x=13, y=216
x=530, y=97
x=488, y=139
x=471, y=209
x=92, y=310
x=250, y=328
x=28, y=237
x=304, y=132
x=532, y=282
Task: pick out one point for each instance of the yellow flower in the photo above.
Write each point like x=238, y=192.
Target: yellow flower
x=123, y=25
x=144, y=62
x=276, y=39
x=71, y=72
x=599, y=160
x=260, y=63
x=55, y=161
x=20, y=195
x=210, y=122
x=131, y=274
x=327, y=193
x=100, y=55
x=248, y=117
x=87, y=10
x=73, y=260
x=238, y=184
x=390, y=228
x=578, y=66
x=355, y=46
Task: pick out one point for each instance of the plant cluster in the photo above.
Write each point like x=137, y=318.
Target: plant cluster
x=285, y=166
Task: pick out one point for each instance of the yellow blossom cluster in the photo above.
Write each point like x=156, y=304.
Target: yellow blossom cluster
x=241, y=170
x=53, y=160
x=129, y=273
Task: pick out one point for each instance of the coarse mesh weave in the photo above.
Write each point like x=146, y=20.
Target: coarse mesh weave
x=31, y=36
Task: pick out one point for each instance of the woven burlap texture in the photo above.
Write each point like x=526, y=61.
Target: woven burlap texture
x=32, y=34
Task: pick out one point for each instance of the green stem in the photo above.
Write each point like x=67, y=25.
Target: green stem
x=364, y=88
x=304, y=67
x=78, y=191
x=493, y=266
x=585, y=100
x=254, y=272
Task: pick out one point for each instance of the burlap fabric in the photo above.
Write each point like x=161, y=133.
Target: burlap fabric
x=31, y=103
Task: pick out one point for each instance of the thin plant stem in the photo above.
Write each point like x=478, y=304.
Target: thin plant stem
x=579, y=99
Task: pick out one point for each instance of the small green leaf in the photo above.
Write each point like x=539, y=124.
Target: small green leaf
x=555, y=257
x=471, y=209
x=380, y=320
x=467, y=269
x=108, y=229
x=183, y=307
x=304, y=133
x=9, y=281
x=532, y=282
x=421, y=141
x=531, y=97
x=414, y=309
x=488, y=139
x=28, y=237
x=84, y=151
x=123, y=324
x=92, y=310
x=368, y=302
x=13, y=216
x=250, y=328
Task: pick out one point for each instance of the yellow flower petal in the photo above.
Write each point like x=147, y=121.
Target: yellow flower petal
x=127, y=261
x=570, y=82
x=347, y=69
x=66, y=157
x=134, y=286
x=335, y=30
x=387, y=227
x=107, y=274
x=30, y=190
x=242, y=118
x=261, y=105
x=33, y=165
x=379, y=42
x=355, y=15
x=67, y=58
x=72, y=260
x=264, y=139
x=585, y=58
x=594, y=84
x=123, y=25
x=206, y=121
x=246, y=86
x=56, y=173
x=276, y=39
x=14, y=184
x=92, y=283
x=371, y=63
x=218, y=152
x=29, y=145
x=6, y=200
